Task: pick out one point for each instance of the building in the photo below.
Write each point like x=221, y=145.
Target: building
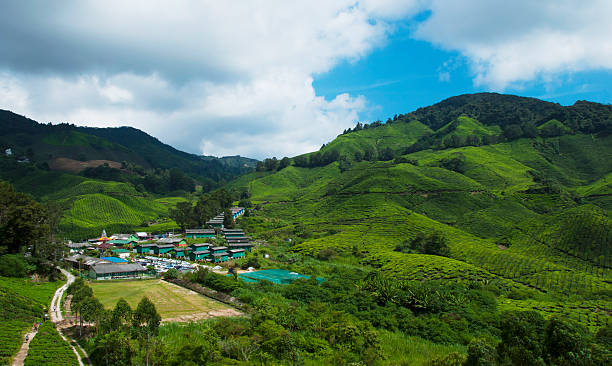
x=104, y=246
x=122, y=243
x=245, y=246
x=121, y=253
x=181, y=252
x=163, y=248
x=141, y=235
x=236, y=253
x=234, y=234
x=116, y=271
x=84, y=262
x=199, y=254
x=237, y=212
x=199, y=233
x=145, y=248
x=237, y=239
x=114, y=259
x=172, y=241
x=199, y=246
x=216, y=222
x=219, y=254
x=76, y=247
x=129, y=237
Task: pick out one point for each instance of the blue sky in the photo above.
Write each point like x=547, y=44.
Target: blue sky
x=405, y=74
x=279, y=78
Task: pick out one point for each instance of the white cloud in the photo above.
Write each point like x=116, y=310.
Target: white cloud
x=207, y=76
x=511, y=42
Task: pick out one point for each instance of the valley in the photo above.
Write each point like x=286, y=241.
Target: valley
x=440, y=237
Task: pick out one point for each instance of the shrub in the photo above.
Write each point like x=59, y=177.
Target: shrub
x=172, y=274
x=13, y=265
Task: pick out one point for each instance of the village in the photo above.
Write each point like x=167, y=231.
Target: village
x=142, y=255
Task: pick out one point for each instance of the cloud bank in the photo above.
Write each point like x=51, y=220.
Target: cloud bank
x=206, y=76
x=219, y=78
x=509, y=43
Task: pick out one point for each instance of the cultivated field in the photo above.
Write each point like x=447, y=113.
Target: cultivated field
x=173, y=303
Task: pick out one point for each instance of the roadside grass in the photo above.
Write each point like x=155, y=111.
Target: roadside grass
x=171, y=301
x=401, y=349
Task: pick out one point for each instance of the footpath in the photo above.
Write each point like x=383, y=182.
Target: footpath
x=55, y=315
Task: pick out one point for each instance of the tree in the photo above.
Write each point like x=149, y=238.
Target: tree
x=284, y=162
x=270, y=164
x=146, y=321
x=369, y=154
x=146, y=317
x=182, y=214
x=387, y=154
x=228, y=220
x=55, y=213
x=522, y=334
x=172, y=274
x=315, y=159
x=22, y=220
x=530, y=130
x=92, y=310
x=434, y=244
x=113, y=348
x=122, y=314
x=301, y=161
x=513, y=132
x=455, y=162
x=358, y=156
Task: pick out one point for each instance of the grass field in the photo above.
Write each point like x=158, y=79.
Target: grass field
x=173, y=303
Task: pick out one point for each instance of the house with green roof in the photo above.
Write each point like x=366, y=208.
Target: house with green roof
x=199, y=254
x=236, y=253
x=163, y=248
x=121, y=253
x=145, y=248
x=122, y=243
x=181, y=252
x=219, y=254
x=199, y=233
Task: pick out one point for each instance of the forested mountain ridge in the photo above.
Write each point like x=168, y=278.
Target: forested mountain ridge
x=464, y=120
x=46, y=142
x=515, y=208
x=117, y=179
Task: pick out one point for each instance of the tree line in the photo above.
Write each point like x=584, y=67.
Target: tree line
x=120, y=336
x=209, y=205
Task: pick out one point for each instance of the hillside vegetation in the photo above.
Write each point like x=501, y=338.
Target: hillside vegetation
x=118, y=179
x=531, y=214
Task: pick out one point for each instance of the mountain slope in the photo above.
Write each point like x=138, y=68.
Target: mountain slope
x=46, y=142
x=66, y=164
x=502, y=206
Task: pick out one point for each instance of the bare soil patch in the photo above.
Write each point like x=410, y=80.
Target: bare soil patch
x=71, y=165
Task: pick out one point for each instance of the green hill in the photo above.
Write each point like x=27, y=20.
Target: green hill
x=43, y=143
x=504, y=206
x=116, y=179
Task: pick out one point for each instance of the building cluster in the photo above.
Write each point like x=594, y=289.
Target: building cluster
x=237, y=245
x=106, y=267
x=217, y=221
x=125, y=246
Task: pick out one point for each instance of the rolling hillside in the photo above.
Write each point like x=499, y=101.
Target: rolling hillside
x=44, y=143
x=505, y=206
x=118, y=179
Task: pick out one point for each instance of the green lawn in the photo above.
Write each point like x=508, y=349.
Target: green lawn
x=172, y=302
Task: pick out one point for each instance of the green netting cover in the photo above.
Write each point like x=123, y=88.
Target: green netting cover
x=279, y=276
